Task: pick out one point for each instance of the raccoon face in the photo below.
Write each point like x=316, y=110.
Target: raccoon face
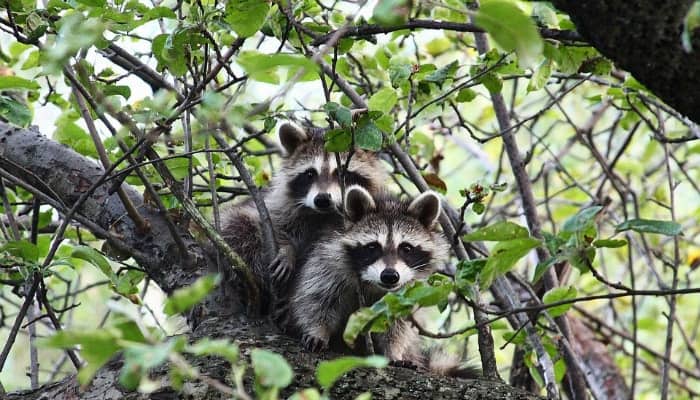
x=312, y=173
x=389, y=244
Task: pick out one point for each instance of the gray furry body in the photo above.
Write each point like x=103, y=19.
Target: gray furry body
x=348, y=262
x=304, y=201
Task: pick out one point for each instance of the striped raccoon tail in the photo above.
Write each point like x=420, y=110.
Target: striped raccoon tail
x=441, y=362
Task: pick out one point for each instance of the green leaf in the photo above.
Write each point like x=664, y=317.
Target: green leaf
x=542, y=267
x=390, y=12
x=503, y=257
x=69, y=133
x=384, y=100
x=127, y=283
x=610, y=243
x=559, y=294
x=540, y=76
x=23, y=249
x=467, y=273
x=15, y=112
x=307, y=394
x=500, y=231
x=179, y=166
x=511, y=29
x=215, y=347
x=399, y=73
x=367, y=135
x=338, y=113
x=184, y=298
x=15, y=82
x=357, y=323
x=465, y=95
x=271, y=369
x=328, y=372
x=93, y=3
x=583, y=221
x=492, y=82
x=96, y=347
x=337, y=140
x=426, y=295
x=265, y=67
x=443, y=73
x=246, y=16
x=139, y=359
x=668, y=228
x=95, y=258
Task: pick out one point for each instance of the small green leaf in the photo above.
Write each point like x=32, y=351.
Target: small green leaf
x=465, y=95
x=337, y=140
x=383, y=100
x=511, y=29
x=399, y=73
x=503, y=257
x=581, y=221
x=367, y=135
x=357, y=323
x=328, y=372
x=443, y=73
x=668, y=228
x=542, y=267
x=15, y=82
x=215, y=347
x=246, y=16
x=23, y=249
x=500, y=231
x=307, y=394
x=338, y=113
x=610, y=243
x=492, y=82
x=540, y=76
x=184, y=298
x=95, y=258
x=139, y=359
x=96, y=347
x=15, y=112
x=391, y=12
x=559, y=294
x=271, y=369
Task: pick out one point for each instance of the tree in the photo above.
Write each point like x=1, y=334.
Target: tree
x=529, y=125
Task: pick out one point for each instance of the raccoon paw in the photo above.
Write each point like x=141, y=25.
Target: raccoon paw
x=280, y=317
x=314, y=343
x=281, y=268
x=403, y=364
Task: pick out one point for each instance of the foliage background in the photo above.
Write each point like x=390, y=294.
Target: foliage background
x=589, y=132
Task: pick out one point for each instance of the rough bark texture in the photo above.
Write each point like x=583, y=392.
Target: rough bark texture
x=390, y=383
x=644, y=38
x=27, y=154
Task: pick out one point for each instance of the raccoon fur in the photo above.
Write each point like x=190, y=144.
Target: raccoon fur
x=304, y=201
x=385, y=244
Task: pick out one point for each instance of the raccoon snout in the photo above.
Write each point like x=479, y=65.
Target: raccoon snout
x=389, y=276
x=323, y=201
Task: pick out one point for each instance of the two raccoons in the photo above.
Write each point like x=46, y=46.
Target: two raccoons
x=331, y=249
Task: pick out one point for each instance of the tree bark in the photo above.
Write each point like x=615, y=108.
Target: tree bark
x=644, y=38
x=64, y=175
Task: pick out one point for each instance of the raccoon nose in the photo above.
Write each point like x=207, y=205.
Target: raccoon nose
x=322, y=200
x=389, y=276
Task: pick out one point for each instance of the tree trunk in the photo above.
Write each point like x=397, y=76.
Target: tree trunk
x=644, y=38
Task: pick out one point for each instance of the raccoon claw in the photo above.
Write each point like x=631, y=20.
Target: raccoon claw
x=281, y=269
x=313, y=343
x=403, y=364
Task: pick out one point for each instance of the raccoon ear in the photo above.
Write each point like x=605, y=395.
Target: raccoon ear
x=291, y=136
x=358, y=202
x=426, y=208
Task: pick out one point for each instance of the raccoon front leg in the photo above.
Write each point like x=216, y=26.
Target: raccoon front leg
x=282, y=266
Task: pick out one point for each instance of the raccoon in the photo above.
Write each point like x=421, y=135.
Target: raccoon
x=304, y=201
x=386, y=244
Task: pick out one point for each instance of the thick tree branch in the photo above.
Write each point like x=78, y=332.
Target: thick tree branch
x=646, y=41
